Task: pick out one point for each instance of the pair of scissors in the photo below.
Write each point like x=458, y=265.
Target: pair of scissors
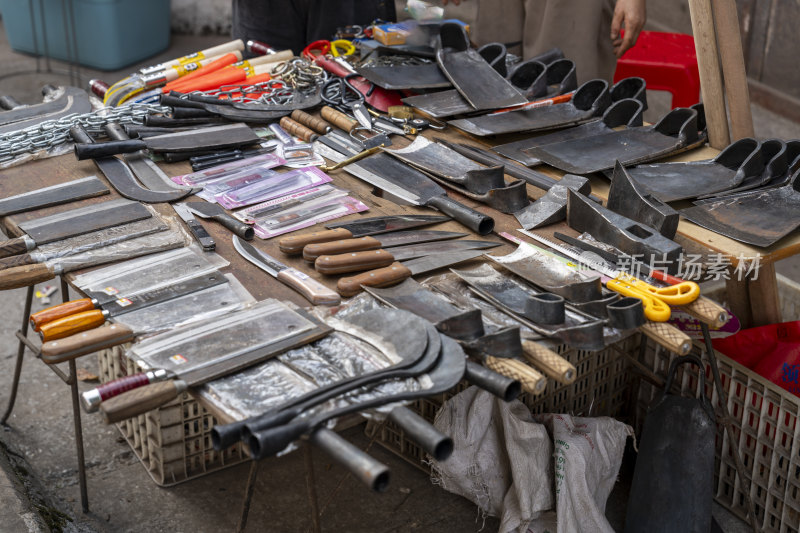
x=337, y=48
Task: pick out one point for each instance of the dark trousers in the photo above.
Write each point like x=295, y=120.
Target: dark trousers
x=294, y=24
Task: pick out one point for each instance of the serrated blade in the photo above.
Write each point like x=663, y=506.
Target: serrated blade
x=265, y=262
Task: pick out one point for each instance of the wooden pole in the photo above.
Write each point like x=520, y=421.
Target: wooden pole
x=705, y=43
x=729, y=42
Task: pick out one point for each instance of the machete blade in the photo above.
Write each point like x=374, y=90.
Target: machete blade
x=376, y=225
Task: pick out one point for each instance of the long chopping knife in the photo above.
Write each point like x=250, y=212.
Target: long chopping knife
x=62, y=193
x=72, y=223
x=312, y=290
x=397, y=178
x=199, y=140
x=359, y=261
x=397, y=272
x=121, y=177
x=353, y=229
x=386, y=240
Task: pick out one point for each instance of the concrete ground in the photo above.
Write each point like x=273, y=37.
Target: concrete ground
x=38, y=475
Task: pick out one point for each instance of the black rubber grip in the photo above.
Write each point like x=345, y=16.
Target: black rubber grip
x=190, y=112
x=245, y=231
x=474, y=220
x=107, y=149
x=224, y=436
x=116, y=132
x=152, y=120
x=172, y=100
x=501, y=386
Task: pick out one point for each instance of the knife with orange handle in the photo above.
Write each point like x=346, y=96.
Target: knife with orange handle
x=71, y=324
x=59, y=311
x=222, y=62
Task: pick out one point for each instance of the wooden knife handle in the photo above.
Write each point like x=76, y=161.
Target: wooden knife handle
x=72, y=324
x=60, y=311
x=310, y=121
x=353, y=262
x=312, y=251
x=382, y=277
x=549, y=362
x=23, y=276
x=298, y=130
x=295, y=244
x=91, y=399
x=708, y=311
x=20, y=245
x=667, y=336
x=139, y=401
x=311, y=289
x=16, y=260
x=338, y=119
x=85, y=342
x=532, y=381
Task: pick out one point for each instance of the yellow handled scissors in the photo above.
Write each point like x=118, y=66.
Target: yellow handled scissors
x=342, y=47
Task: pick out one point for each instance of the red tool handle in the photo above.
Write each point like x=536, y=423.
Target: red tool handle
x=120, y=385
x=666, y=278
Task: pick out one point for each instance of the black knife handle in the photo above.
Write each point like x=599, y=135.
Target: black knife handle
x=116, y=132
x=201, y=235
x=173, y=100
x=152, y=120
x=245, y=231
x=80, y=135
x=474, y=220
x=108, y=149
x=190, y=112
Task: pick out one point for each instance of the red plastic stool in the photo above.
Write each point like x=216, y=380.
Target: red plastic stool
x=667, y=62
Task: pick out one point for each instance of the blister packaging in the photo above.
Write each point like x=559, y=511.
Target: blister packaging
x=272, y=187
x=198, y=179
x=216, y=187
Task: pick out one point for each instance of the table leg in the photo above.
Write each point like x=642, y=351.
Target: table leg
x=20, y=352
x=311, y=486
x=738, y=297
x=765, y=307
x=248, y=495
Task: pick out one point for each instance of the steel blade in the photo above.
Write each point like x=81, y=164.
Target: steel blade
x=434, y=262
x=403, y=253
x=225, y=136
x=263, y=261
x=84, y=220
x=123, y=180
x=54, y=195
x=581, y=258
x=376, y=225
x=401, y=238
x=123, y=304
x=150, y=175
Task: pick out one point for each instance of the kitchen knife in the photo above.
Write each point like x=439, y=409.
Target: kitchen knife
x=54, y=195
x=397, y=272
x=204, y=139
x=197, y=229
x=217, y=213
x=72, y=223
x=358, y=261
x=409, y=184
x=357, y=228
x=312, y=290
x=83, y=243
x=386, y=240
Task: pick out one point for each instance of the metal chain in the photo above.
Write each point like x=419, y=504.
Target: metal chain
x=50, y=133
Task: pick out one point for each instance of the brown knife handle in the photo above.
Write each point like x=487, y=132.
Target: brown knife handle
x=353, y=262
x=549, y=362
x=312, y=251
x=60, y=311
x=139, y=401
x=20, y=245
x=310, y=121
x=338, y=119
x=708, y=311
x=667, y=336
x=72, y=324
x=16, y=260
x=85, y=342
x=295, y=244
x=532, y=381
x=382, y=277
x=311, y=289
x=23, y=276
x=298, y=130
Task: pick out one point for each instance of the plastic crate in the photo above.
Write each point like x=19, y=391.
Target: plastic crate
x=109, y=34
x=601, y=389
x=173, y=442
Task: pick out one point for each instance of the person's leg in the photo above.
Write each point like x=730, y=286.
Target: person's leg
x=581, y=28
x=276, y=22
x=499, y=21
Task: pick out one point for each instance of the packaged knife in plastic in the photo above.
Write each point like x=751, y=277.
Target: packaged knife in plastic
x=273, y=187
x=198, y=179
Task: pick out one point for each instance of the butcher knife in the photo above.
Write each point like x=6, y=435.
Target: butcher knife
x=409, y=184
x=386, y=240
x=359, y=261
x=204, y=139
x=312, y=290
x=86, y=242
x=353, y=229
x=397, y=272
x=217, y=213
x=121, y=177
x=73, y=222
x=62, y=193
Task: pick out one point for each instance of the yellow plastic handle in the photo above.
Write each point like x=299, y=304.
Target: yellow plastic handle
x=681, y=294
x=654, y=308
x=342, y=47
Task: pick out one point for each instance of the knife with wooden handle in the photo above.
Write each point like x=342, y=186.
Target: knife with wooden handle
x=61, y=311
x=140, y=400
x=387, y=240
x=72, y=324
x=549, y=362
x=353, y=262
x=85, y=342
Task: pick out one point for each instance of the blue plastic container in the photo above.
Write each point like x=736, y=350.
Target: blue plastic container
x=109, y=34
